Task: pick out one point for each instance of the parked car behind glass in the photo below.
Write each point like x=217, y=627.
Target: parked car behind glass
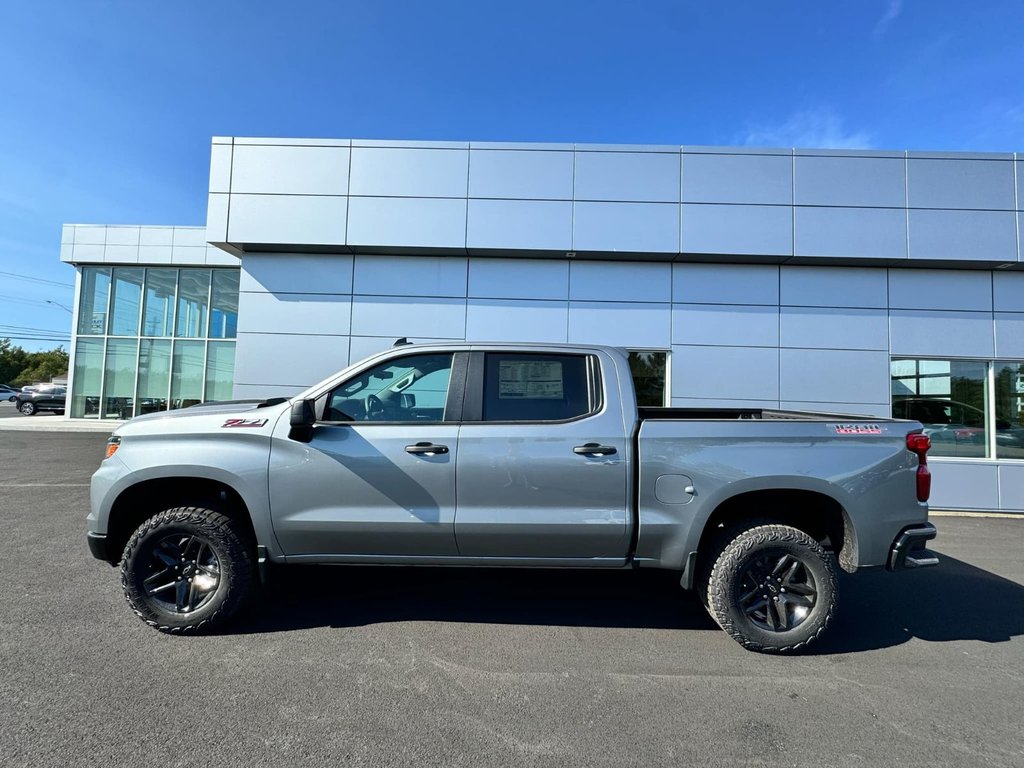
x=45, y=397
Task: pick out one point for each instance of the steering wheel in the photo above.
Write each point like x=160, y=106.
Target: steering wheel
x=374, y=408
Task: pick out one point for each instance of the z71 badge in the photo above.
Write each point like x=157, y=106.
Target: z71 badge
x=857, y=429
x=244, y=423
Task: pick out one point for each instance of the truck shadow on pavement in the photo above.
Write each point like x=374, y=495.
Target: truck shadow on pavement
x=349, y=596
x=955, y=601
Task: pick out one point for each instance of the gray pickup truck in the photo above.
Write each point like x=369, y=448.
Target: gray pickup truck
x=520, y=455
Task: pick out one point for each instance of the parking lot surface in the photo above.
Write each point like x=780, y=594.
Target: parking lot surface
x=403, y=667
x=7, y=410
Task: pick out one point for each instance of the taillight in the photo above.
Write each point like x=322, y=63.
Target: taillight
x=919, y=444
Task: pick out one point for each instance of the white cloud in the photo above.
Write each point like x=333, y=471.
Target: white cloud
x=892, y=10
x=811, y=129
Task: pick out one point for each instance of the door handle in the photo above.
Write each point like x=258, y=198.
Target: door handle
x=426, y=449
x=594, y=449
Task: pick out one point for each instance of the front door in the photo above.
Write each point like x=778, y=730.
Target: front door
x=378, y=476
x=542, y=461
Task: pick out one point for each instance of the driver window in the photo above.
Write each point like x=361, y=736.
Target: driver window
x=409, y=389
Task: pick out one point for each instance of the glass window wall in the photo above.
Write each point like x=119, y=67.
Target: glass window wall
x=950, y=398
x=158, y=319
x=119, y=379
x=1009, y=399
x=123, y=369
x=85, y=397
x=220, y=367
x=193, y=302
x=969, y=408
x=92, y=306
x=154, y=383
x=224, y=304
x=187, y=373
x=126, y=300
x=649, y=373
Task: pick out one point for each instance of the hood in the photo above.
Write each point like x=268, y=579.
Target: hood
x=205, y=409
x=207, y=416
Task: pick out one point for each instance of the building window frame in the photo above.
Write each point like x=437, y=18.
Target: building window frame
x=666, y=398
x=990, y=418
x=105, y=337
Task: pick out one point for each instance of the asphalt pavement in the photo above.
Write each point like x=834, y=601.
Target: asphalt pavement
x=8, y=411
x=403, y=667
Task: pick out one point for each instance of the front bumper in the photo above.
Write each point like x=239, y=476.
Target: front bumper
x=908, y=550
x=98, y=545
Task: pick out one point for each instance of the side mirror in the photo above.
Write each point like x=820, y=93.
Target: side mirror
x=301, y=420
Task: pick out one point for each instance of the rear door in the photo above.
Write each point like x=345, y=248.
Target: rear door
x=541, y=471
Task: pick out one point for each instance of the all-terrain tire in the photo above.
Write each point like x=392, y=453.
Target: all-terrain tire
x=225, y=558
x=752, y=569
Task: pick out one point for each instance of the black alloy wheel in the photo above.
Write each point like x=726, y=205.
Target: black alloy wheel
x=185, y=572
x=188, y=569
x=772, y=588
x=778, y=591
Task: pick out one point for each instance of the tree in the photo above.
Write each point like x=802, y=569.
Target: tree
x=12, y=361
x=18, y=367
x=43, y=366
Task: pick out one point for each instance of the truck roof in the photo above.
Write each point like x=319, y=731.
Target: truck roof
x=508, y=345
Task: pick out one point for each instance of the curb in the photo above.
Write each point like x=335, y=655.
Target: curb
x=961, y=513
x=58, y=425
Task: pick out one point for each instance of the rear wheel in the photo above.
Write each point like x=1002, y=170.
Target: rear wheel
x=772, y=588
x=187, y=569
x=28, y=409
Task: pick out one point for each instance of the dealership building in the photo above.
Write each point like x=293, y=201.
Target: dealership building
x=860, y=282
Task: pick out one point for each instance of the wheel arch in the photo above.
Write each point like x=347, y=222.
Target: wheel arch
x=814, y=511
x=141, y=500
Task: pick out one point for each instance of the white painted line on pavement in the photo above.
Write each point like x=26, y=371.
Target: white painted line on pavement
x=44, y=485
x=956, y=513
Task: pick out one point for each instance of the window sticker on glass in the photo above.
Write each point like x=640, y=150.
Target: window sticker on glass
x=530, y=379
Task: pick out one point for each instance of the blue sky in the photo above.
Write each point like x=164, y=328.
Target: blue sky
x=107, y=108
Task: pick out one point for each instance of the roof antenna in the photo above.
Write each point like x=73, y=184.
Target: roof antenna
x=401, y=342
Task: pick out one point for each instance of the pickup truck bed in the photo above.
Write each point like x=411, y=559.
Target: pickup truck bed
x=719, y=414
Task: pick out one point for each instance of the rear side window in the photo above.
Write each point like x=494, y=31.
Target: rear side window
x=527, y=387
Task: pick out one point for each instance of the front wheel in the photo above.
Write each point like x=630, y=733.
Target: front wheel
x=773, y=589
x=28, y=409
x=187, y=569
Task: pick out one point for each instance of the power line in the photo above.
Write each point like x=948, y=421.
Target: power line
x=24, y=334
x=25, y=329
x=21, y=340
x=33, y=332
x=37, y=338
x=27, y=278
x=4, y=330
x=22, y=300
